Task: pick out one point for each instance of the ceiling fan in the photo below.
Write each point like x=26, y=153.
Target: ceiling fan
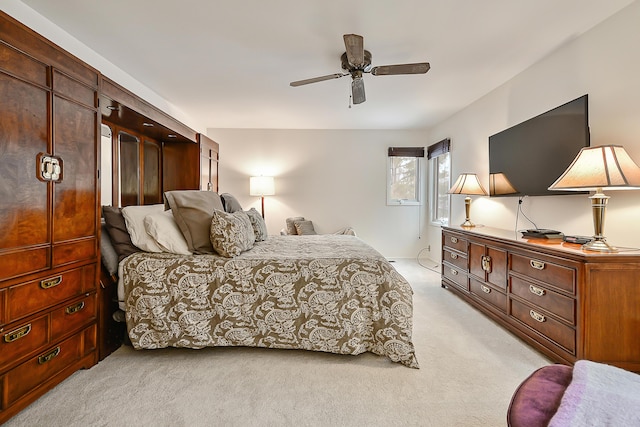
x=356, y=61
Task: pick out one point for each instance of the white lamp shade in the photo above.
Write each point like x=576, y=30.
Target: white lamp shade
x=261, y=186
x=468, y=183
x=605, y=166
x=499, y=184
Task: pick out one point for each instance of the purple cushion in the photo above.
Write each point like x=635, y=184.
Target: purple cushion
x=538, y=397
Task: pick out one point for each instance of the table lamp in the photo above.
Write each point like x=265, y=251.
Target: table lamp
x=467, y=183
x=261, y=186
x=596, y=168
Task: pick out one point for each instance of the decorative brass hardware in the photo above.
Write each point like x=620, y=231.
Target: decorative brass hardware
x=18, y=333
x=485, y=289
x=50, y=167
x=454, y=240
x=74, y=308
x=454, y=272
x=536, y=290
x=537, y=316
x=486, y=263
x=51, y=282
x=538, y=265
x=454, y=256
x=49, y=356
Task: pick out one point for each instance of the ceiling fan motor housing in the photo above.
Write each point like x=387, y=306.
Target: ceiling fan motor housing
x=350, y=68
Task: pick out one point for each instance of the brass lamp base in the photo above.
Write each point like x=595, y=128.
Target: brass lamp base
x=599, y=206
x=600, y=245
x=467, y=210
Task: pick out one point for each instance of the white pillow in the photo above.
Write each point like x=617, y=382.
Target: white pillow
x=134, y=218
x=163, y=228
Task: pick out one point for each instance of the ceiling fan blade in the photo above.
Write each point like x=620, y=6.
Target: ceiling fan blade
x=354, y=45
x=317, y=79
x=357, y=91
x=390, y=70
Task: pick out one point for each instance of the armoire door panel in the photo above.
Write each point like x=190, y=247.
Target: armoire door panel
x=18, y=263
x=24, y=207
x=75, y=203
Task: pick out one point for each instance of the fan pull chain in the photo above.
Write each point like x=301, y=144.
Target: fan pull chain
x=350, y=96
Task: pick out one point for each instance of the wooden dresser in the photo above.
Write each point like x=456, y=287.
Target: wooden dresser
x=567, y=303
x=48, y=215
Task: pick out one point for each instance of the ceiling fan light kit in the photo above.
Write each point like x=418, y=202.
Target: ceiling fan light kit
x=356, y=61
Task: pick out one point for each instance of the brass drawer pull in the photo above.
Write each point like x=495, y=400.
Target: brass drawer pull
x=485, y=261
x=538, y=265
x=74, y=308
x=454, y=272
x=50, y=283
x=454, y=256
x=49, y=356
x=537, y=316
x=17, y=334
x=485, y=289
x=536, y=290
x=454, y=240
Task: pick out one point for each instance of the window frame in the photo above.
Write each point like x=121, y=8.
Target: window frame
x=435, y=154
x=415, y=153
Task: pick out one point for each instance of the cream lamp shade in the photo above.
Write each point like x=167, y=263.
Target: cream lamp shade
x=262, y=186
x=499, y=185
x=596, y=168
x=468, y=183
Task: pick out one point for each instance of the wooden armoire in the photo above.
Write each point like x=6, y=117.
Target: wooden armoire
x=49, y=127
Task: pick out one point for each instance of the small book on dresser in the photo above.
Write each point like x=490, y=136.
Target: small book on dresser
x=542, y=233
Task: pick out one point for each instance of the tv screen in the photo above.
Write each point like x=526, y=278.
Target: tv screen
x=534, y=153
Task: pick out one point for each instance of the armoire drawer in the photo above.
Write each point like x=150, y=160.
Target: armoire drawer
x=553, y=302
x=488, y=294
x=30, y=297
x=556, y=331
x=73, y=316
x=21, y=338
x=23, y=378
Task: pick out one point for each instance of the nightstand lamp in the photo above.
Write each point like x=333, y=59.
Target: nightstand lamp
x=468, y=184
x=261, y=186
x=596, y=168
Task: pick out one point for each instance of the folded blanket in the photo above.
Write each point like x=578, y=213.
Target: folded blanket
x=599, y=395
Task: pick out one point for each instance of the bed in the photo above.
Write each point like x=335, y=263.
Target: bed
x=328, y=293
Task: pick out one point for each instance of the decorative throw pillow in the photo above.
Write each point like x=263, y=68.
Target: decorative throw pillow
x=304, y=228
x=117, y=229
x=230, y=203
x=291, y=228
x=163, y=229
x=259, y=226
x=192, y=211
x=108, y=253
x=231, y=233
x=134, y=218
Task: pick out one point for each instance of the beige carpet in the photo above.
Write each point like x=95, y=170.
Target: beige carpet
x=469, y=369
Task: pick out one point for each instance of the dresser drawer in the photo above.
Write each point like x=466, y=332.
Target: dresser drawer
x=553, y=302
x=557, y=332
x=45, y=365
x=558, y=276
x=455, y=258
x=454, y=242
x=458, y=277
x=488, y=294
x=31, y=297
x=73, y=316
x=21, y=338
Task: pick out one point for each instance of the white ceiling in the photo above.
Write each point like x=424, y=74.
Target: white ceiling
x=228, y=64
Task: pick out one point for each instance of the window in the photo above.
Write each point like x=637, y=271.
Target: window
x=404, y=175
x=439, y=164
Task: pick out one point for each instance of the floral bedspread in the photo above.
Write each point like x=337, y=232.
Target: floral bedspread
x=323, y=293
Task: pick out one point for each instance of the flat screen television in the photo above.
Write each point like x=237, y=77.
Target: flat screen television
x=534, y=153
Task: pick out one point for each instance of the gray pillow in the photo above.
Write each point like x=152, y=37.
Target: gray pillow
x=291, y=227
x=259, y=226
x=230, y=203
x=107, y=251
x=117, y=229
x=193, y=211
x=231, y=233
x=304, y=228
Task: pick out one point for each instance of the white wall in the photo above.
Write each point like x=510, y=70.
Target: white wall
x=603, y=63
x=336, y=178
